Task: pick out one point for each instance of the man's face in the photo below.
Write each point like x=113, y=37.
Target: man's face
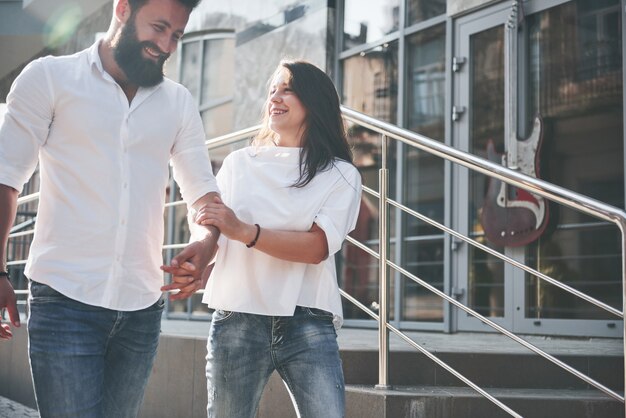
x=148, y=38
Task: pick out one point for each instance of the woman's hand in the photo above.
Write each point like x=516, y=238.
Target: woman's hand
x=216, y=213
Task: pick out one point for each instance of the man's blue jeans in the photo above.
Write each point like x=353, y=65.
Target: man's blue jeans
x=87, y=361
x=244, y=350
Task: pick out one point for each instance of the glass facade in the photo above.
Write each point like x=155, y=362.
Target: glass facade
x=486, y=272
x=576, y=85
x=368, y=21
x=371, y=80
x=393, y=67
x=207, y=70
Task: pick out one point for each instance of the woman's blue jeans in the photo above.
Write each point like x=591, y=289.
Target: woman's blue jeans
x=87, y=361
x=244, y=350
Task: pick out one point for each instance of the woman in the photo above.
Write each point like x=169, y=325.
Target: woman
x=289, y=200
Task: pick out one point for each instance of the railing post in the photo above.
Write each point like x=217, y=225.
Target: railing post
x=622, y=228
x=383, y=309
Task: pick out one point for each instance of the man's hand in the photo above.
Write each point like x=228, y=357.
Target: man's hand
x=8, y=301
x=187, y=267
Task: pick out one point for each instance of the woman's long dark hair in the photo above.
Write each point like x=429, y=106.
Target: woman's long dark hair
x=324, y=136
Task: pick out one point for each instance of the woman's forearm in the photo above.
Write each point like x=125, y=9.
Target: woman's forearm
x=308, y=247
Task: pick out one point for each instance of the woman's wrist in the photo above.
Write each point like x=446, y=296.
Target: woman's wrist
x=254, y=240
x=250, y=234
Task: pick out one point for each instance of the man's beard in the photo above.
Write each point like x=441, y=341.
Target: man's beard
x=140, y=71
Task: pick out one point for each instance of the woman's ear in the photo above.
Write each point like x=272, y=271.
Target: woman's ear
x=122, y=10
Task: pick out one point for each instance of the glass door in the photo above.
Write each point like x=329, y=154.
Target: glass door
x=569, y=61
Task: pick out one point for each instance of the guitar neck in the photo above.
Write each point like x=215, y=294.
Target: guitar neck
x=510, y=82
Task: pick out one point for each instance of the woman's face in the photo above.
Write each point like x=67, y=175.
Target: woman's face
x=287, y=114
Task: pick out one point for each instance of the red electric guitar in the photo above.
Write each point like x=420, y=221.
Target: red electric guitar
x=510, y=216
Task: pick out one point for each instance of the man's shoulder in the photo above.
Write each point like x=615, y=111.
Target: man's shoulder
x=55, y=61
x=175, y=90
x=174, y=86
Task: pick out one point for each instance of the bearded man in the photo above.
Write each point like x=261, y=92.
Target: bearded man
x=103, y=124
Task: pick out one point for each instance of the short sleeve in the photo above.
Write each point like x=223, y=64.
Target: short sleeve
x=190, y=157
x=338, y=214
x=26, y=125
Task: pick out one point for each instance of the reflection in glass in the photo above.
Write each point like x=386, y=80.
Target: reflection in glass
x=370, y=82
x=368, y=21
x=424, y=175
x=218, y=75
x=420, y=10
x=575, y=68
x=426, y=82
x=218, y=120
x=190, y=62
x=207, y=70
x=486, y=272
x=358, y=271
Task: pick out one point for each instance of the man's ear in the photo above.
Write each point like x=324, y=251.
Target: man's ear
x=122, y=10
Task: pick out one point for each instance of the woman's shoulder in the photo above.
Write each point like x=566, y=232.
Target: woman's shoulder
x=345, y=172
x=346, y=168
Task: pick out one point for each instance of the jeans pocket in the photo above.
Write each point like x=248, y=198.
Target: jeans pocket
x=159, y=305
x=319, y=314
x=42, y=293
x=221, y=315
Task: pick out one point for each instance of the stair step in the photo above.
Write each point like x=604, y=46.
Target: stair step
x=365, y=401
x=487, y=369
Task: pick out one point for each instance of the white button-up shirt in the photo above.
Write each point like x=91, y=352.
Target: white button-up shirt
x=104, y=172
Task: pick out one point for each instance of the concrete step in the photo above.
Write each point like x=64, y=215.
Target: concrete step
x=11, y=409
x=486, y=369
x=364, y=401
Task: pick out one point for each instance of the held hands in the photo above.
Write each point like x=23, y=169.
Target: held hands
x=8, y=301
x=187, y=269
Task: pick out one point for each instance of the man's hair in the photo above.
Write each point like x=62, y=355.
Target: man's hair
x=135, y=5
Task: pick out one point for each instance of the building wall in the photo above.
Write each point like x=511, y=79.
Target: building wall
x=84, y=35
x=265, y=33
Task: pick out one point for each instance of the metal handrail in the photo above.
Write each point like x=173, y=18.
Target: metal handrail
x=531, y=184
x=550, y=191
x=536, y=186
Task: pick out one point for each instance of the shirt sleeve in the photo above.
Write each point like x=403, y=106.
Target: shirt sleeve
x=26, y=125
x=338, y=214
x=190, y=158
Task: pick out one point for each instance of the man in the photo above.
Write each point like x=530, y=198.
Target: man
x=103, y=124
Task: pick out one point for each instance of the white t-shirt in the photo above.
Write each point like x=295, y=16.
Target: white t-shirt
x=256, y=183
x=104, y=172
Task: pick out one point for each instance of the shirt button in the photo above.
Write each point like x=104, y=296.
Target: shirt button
x=126, y=185
x=123, y=222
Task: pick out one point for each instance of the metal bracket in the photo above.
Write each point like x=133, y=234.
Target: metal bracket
x=457, y=63
x=456, y=243
x=458, y=292
x=457, y=111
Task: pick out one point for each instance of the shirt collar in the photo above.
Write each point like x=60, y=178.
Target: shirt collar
x=94, y=56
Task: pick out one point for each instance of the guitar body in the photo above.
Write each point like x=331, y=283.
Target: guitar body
x=510, y=216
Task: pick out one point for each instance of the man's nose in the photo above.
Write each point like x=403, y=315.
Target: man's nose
x=166, y=44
